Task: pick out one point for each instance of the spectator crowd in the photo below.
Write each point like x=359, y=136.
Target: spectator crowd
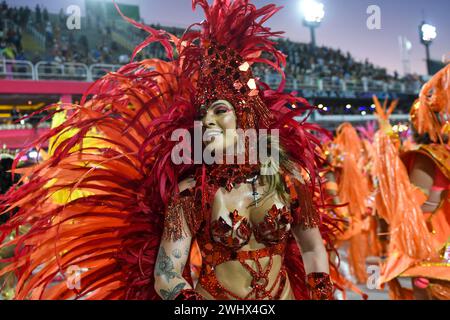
x=95, y=45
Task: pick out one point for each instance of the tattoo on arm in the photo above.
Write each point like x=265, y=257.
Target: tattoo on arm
x=170, y=264
x=165, y=266
x=172, y=293
x=176, y=253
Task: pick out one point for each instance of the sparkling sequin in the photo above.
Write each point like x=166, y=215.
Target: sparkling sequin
x=275, y=227
x=233, y=236
x=181, y=208
x=251, y=84
x=320, y=286
x=188, y=294
x=244, y=67
x=237, y=85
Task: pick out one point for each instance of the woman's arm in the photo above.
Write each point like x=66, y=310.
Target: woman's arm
x=170, y=263
x=314, y=254
x=331, y=187
x=422, y=176
x=173, y=252
x=315, y=260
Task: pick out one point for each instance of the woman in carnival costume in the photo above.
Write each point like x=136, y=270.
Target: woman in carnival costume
x=414, y=198
x=141, y=214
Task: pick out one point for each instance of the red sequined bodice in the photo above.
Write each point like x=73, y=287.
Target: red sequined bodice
x=273, y=230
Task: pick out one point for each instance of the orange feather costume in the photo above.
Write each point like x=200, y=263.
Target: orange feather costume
x=416, y=247
x=353, y=190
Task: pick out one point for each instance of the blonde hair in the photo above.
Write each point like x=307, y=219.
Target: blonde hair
x=275, y=170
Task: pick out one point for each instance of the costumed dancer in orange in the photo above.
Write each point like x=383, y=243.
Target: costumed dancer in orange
x=415, y=198
x=349, y=190
x=139, y=214
x=429, y=170
x=373, y=224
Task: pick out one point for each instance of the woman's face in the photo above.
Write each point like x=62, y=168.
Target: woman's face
x=220, y=126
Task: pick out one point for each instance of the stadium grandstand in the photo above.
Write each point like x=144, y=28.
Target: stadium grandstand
x=43, y=62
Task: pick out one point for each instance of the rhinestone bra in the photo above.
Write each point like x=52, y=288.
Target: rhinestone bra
x=272, y=230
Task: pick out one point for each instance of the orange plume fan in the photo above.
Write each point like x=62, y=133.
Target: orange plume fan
x=408, y=230
x=353, y=185
x=383, y=113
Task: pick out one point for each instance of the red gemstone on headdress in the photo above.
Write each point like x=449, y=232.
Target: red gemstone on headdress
x=237, y=85
x=253, y=93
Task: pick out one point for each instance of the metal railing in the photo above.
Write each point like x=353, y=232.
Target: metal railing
x=17, y=126
x=62, y=71
x=337, y=85
x=309, y=85
x=43, y=70
x=98, y=70
x=16, y=69
x=339, y=118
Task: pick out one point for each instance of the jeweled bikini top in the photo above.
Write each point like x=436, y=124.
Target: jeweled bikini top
x=272, y=230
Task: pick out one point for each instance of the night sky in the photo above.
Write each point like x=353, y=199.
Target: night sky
x=344, y=25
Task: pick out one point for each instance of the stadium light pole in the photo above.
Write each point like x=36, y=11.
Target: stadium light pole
x=428, y=34
x=313, y=14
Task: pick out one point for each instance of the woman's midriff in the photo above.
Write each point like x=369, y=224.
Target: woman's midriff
x=235, y=278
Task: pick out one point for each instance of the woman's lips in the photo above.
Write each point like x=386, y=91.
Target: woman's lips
x=211, y=133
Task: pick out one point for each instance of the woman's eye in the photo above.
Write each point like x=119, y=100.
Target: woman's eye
x=221, y=110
